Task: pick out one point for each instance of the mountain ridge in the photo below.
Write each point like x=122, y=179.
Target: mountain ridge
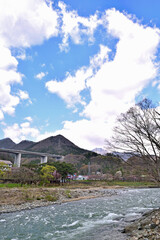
x=53, y=144
x=7, y=143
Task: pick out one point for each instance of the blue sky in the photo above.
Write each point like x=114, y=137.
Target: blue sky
x=71, y=67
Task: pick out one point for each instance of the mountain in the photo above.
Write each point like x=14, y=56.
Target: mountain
x=7, y=143
x=60, y=145
x=125, y=156
x=101, y=151
x=57, y=145
x=24, y=145
x=54, y=145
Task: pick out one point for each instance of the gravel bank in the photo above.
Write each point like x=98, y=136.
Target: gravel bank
x=12, y=200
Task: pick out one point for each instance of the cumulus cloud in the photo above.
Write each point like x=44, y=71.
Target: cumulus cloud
x=8, y=75
x=32, y=21
x=23, y=95
x=22, y=23
x=20, y=132
x=116, y=84
x=70, y=88
x=28, y=119
x=41, y=75
x=75, y=27
x=113, y=84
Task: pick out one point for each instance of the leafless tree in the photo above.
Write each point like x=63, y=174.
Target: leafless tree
x=138, y=131
x=23, y=175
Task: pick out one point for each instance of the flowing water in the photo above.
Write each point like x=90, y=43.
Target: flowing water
x=91, y=219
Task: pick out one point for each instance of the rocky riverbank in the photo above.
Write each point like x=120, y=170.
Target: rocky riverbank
x=146, y=228
x=18, y=199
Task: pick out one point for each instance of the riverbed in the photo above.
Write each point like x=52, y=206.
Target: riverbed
x=89, y=219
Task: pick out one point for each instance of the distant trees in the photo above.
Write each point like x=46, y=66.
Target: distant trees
x=61, y=170
x=54, y=172
x=138, y=131
x=64, y=169
x=88, y=156
x=23, y=175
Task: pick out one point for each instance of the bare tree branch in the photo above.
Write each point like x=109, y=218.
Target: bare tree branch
x=138, y=131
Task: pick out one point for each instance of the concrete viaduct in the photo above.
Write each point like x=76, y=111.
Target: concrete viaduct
x=18, y=154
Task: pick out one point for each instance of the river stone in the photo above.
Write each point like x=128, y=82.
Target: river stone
x=146, y=227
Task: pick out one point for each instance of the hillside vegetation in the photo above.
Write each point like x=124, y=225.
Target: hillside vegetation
x=84, y=161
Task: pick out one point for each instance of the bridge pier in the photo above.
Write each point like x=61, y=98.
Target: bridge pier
x=17, y=161
x=44, y=159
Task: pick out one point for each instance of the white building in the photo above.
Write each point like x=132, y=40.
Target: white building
x=80, y=177
x=6, y=163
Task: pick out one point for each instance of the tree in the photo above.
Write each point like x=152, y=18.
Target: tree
x=47, y=173
x=138, y=131
x=23, y=175
x=64, y=169
x=4, y=169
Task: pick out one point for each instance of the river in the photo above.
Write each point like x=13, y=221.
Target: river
x=91, y=219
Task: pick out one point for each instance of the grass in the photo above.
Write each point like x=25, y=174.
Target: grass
x=68, y=193
x=82, y=184
x=130, y=184
x=10, y=185
x=52, y=198
x=17, y=185
x=103, y=183
x=28, y=195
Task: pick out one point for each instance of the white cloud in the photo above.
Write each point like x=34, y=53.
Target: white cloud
x=76, y=27
x=23, y=95
x=22, y=23
x=21, y=54
x=20, y=132
x=154, y=83
x=32, y=21
x=28, y=119
x=84, y=133
x=8, y=102
x=70, y=88
x=41, y=75
x=114, y=84
x=43, y=65
x=3, y=123
x=7, y=61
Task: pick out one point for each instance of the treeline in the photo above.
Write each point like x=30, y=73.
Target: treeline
x=55, y=172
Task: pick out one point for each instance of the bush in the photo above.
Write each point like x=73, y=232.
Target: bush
x=51, y=198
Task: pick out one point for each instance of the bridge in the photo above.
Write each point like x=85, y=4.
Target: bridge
x=18, y=154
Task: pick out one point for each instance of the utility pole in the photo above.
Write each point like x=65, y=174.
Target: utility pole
x=89, y=168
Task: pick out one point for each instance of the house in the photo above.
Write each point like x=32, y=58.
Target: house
x=6, y=163
x=80, y=177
